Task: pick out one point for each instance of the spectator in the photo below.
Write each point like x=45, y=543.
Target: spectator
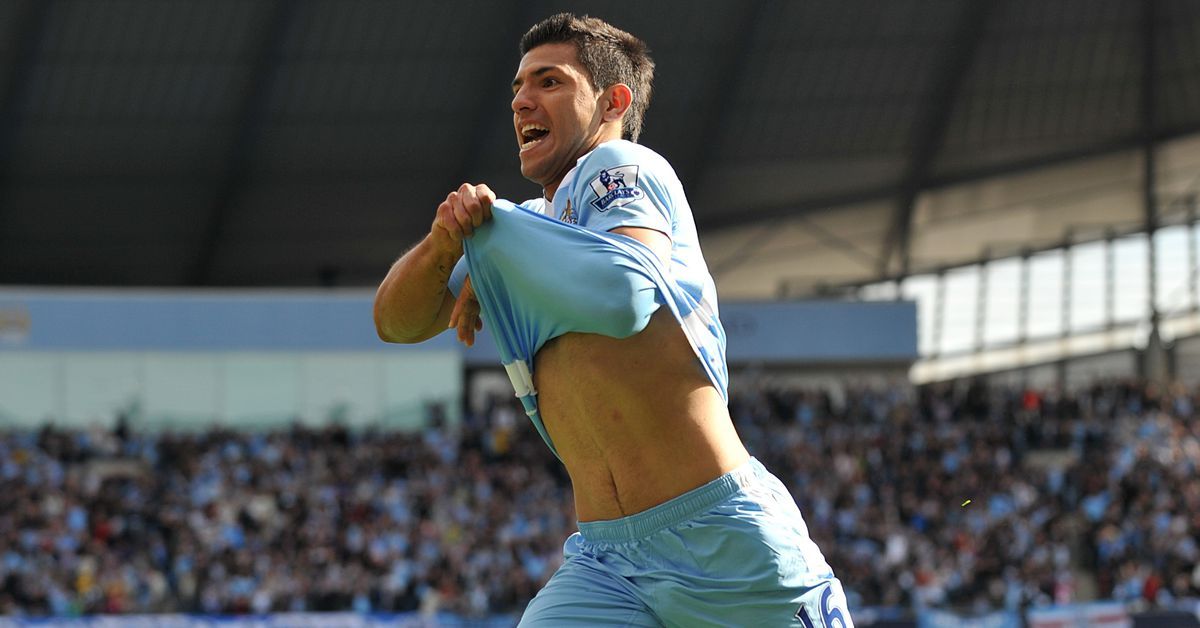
x=470, y=518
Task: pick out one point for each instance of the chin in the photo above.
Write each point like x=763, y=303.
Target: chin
x=533, y=173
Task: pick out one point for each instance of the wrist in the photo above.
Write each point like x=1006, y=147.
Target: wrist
x=444, y=246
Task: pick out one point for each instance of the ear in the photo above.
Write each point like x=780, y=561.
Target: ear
x=617, y=99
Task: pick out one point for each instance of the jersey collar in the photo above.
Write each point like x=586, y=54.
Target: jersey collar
x=562, y=195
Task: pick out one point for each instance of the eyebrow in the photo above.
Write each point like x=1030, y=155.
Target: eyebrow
x=538, y=72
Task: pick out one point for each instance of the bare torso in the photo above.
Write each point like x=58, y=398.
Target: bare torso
x=636, y=421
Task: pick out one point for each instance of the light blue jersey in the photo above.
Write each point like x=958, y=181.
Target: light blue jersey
x=622, y=184
x=734, y=552
x=537, y=278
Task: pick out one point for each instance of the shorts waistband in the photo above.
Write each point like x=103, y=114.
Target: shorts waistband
x=673, y=511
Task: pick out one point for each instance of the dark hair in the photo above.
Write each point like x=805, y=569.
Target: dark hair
x=609, y=54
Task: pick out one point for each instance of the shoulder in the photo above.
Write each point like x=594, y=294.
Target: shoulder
x=622, y=152
x=622, y=184
x=619, y=165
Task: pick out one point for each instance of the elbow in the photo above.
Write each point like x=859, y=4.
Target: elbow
x=388, y=332
x=386, y=335
x=382, y=331
x=390, y=336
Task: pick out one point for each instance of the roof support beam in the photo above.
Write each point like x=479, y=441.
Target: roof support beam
x=252, y=115
x=767, y=212
x=1148, y=119
x=929, y=131
x=34, y=22
x=1156, y=362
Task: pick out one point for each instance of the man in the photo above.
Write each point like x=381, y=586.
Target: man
x=678, y=525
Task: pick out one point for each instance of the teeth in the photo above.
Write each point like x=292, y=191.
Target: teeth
x=528, y=128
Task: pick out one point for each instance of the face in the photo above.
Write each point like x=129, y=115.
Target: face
x=557, y=114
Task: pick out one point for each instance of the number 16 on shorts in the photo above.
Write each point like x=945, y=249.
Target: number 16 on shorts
x=828, y=610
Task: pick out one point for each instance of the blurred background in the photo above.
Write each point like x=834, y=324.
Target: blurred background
x=956, y=245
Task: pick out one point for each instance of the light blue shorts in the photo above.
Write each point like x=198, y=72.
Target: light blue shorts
x=734, y=552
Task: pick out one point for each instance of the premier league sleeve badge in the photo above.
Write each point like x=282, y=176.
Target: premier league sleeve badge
x=615, y=187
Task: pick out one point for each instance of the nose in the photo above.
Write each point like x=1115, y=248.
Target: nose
x=521, y=101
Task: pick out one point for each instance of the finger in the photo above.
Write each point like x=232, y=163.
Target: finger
x=464, y=303
x=445, y=221
x=462, y=220
x=463, y=328
x=466, y=325
x=471, y=203
x=486, y=199
x=457, y=311
x=478, y=324
x=466, y=333
x=465, y=224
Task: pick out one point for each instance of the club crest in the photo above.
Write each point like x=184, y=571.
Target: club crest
x=568, y=214
x=615, y=187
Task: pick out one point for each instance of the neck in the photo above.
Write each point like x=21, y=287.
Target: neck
x=549, y=189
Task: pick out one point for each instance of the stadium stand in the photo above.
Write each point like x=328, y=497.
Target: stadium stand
x=1091, y=491
x=1015, y=184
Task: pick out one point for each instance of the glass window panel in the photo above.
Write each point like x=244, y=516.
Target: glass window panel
x=1088, y=283
x=1193, y=274
x=884, y=291
x=1003, y=299
x=1171, y=262
x=1045, y=294
x=1132, y=292
x=923, y=290
x=959, y=309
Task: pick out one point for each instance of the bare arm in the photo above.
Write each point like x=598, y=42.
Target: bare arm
x=413, y=303
x=656, y=240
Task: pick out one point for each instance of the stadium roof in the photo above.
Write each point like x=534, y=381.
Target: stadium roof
x=306, y=142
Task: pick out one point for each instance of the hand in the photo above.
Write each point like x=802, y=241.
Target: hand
x=465, y=315
x=457, y=217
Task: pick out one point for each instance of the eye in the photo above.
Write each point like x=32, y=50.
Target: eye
x=549, y=81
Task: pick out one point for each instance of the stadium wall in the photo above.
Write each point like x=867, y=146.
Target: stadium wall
x=799, y=333
x=270, y=357
x=188, y=359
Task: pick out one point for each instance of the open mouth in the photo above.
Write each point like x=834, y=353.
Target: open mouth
x=532, y=135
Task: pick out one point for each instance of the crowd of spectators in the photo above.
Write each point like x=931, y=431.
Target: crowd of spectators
x=466, y=520
x=983, y=498
x=945, y=495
